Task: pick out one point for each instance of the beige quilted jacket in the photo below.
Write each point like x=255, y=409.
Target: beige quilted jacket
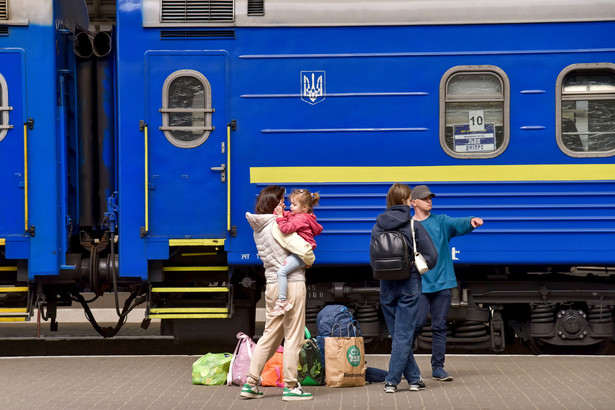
x=269, y=250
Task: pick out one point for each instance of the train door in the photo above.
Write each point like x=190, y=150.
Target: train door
x=187, y=158
x=13, y=213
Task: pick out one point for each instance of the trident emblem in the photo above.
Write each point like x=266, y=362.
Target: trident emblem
x=312, y=86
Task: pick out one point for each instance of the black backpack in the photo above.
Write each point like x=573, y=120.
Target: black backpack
x=388, y=256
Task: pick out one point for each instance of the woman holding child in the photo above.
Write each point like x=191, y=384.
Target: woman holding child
x=289, y=326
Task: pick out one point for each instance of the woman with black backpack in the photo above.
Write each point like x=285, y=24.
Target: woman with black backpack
x=399, y=298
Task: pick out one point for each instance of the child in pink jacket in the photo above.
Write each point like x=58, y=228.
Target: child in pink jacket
x=300, y=219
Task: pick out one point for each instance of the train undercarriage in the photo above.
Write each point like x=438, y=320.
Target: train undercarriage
x=559, y=311
x=556, y=311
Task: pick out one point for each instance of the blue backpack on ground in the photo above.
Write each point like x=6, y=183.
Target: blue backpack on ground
x=336, y=321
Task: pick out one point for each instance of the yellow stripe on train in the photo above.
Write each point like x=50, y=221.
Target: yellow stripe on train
x=451, y=173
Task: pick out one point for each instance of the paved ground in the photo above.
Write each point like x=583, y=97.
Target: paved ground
x=164, y=382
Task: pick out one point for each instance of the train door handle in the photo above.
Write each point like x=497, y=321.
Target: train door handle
x=222, y=169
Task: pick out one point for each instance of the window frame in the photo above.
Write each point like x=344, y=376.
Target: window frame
x=4, y=109
x=559, y=98
x=475, y=69
x=207, y=128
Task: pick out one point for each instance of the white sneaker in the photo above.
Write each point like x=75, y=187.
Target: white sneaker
x=296, y=394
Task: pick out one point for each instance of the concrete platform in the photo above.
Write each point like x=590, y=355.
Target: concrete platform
x=164, y=382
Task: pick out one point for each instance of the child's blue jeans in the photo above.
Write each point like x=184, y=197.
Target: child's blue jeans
x=292, y=262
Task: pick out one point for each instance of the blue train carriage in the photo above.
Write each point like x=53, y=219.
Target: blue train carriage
x=35, y=126
x=507, y=114
x=57, y=160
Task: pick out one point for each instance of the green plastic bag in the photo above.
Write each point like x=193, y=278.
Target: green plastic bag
x=211, y=369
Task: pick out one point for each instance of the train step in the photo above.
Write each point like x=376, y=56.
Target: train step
x=14, y=305
x=190, y=302
x=193, y=283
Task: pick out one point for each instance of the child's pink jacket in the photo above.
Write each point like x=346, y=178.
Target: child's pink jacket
x=304, y=224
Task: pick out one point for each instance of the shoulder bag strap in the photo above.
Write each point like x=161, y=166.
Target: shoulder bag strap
x=413, y=238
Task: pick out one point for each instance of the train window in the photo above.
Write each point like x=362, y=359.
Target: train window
x=585, y=125
x=4, y=108
x=186, y=109
x=474, y=111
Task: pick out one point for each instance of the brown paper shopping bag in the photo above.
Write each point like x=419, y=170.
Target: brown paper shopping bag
x=344, y=361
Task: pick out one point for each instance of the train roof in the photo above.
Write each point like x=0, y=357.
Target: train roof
x=370, y=12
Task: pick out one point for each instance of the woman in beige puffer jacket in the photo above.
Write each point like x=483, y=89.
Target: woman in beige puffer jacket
x=291, y=325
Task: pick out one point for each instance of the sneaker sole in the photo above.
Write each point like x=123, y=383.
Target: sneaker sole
x=417, y=388
x=443, y=379
x=251, y=395
x=296, y=398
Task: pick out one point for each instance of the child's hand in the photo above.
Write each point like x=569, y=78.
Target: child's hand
x=307, y=266
x=279, y=210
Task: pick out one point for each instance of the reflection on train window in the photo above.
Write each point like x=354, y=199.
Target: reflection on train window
x=186, y=109
x=4, y=108
x=474, y=111
x=586, y=110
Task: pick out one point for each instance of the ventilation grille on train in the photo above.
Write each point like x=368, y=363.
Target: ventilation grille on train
x=4, y=11
x=197, y=33
x=4, y=31
x=256, y=7
x=197, y=11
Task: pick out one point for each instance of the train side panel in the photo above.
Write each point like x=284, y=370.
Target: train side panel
x=540, y=205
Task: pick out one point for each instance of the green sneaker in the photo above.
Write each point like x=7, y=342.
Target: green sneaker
x=296, y=394
x=251, y=392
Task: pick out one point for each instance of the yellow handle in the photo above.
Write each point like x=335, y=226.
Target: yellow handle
x=25, y=173
x=228, y=178
x=146, y=184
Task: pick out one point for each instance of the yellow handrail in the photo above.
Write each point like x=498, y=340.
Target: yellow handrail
x=146, y=185
x=25, y=173
x=228, y=177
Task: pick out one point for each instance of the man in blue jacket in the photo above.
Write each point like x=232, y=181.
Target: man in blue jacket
x=438, y=282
